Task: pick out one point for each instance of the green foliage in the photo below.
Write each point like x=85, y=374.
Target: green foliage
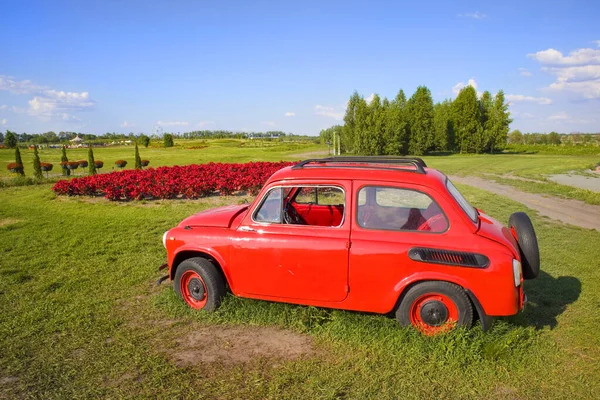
x=498, y=124
x=144, y=140
x=64, y=158
x=91, y=161
x=10, y=140
x=138, y=160
x=420, y=112
x=37, y=168
x=443, y=126
x=515, y=137
x=349, y=132
x=466, y=119
x=168, y=140
x=18, y=160
x=373, y=134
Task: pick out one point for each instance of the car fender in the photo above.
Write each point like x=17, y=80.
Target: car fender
x=194, y=248
x=402, y=285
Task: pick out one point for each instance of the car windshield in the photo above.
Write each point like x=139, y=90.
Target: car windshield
x=464, y=204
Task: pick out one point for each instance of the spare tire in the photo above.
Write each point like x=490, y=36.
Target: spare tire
x=521, y=226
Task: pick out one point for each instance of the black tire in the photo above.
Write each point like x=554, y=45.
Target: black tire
x=210, y=277
x=433, y=289
x=528, y=245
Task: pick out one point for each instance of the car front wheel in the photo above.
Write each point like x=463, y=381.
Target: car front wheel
x=433, y=307
x=199, y=283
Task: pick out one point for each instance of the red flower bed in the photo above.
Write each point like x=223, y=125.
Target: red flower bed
x=191, y=181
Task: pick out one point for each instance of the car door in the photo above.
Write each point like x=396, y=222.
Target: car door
x=277, y=254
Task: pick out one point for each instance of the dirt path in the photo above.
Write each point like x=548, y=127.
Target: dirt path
x=572, y=212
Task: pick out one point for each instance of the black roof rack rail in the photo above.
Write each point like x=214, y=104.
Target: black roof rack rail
x=418, y=163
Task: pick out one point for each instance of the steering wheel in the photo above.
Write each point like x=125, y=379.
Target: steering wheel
x=437, y=223
x=290, y=215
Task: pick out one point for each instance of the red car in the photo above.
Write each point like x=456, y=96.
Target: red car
x=367, y=234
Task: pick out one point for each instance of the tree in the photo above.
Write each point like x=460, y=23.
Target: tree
x=37, y=167
x=553, y=138
x=350, y=122
x=374, y=127
x=486, y=104
x=499, y=123
x=64, y=158
x=10, y=139
x=144, y=140
x=360, y=128
x=443, y=137
x=466, y=119
x=138, y=160
x=515, y=137
x=1, y=137
x=19, y=161
x=168, y=140
x=91, y=161
x=420, y=111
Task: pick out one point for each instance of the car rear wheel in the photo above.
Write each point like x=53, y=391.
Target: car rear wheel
x=434, y=307
x=199, y=284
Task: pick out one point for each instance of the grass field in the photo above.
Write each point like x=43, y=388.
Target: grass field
x=80, y=316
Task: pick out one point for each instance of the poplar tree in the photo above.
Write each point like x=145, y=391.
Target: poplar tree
x=37, y=167
x=420, y=111
x=350, y=122
x=375, y=125
x=64, y=158
x=138, y=160
x=466, y=119
x=19, y=161
x=486, y=105
x=500, y=123
x=91, y=161
x=360, y=127
x=442, y=126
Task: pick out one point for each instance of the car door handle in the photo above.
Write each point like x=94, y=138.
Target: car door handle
x=247, y=229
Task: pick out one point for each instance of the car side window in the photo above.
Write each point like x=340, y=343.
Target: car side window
x=389, y=208
x=303, y=205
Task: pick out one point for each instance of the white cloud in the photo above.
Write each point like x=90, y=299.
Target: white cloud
x=290, y=114
x=331, y=112
x=4, y=121
x=559, y=116
x=515, y=98
x=577, y=73
x=576, y=57
x=521, y=115
x=202, y=124
x=370, y=98
x=524, y=72
x=597, y=42
x=3, y=107
x=460, y=85
x=268, y=123
x=172, y=123
x=474, y=15
x=126, y=124
x=47, y=103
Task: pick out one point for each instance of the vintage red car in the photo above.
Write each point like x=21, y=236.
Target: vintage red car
x=381, y=235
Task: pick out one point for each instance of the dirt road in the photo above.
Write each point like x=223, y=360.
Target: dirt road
x=572, y=212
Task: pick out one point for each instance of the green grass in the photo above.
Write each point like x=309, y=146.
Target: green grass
x=80, y=317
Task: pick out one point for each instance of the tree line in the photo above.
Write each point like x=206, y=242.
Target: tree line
x=467, y=124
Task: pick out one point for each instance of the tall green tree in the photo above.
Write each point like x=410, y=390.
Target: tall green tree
x=553, y=138
x=10, y=139
x=37, y=166
x=396, y=126
x=64, y=158
x=516, y=137
x=500, y=123
x=138, y=160
x=420, y=111
x=144, y=140
x=361, y=127
x=168, y=140
x=91, y=161
x=466, y=120
x=442, y=126
x=375, y=125
x=18, y=160
x=486, y=138
x=350, y=122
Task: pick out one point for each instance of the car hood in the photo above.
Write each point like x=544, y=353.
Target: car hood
x=492, y=229
x=221, y=217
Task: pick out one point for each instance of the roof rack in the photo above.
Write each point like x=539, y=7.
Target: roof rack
x=418, y=163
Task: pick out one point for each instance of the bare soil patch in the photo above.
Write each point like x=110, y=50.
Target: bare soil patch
x=8, y=221
x=233, y=344
x=569, y=211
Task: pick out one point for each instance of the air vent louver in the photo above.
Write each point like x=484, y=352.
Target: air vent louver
x=448, y=257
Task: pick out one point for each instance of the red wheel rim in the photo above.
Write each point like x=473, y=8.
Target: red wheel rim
x=433, y=313
x=193, y=289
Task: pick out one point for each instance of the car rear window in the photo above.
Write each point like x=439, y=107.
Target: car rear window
x=464, y=204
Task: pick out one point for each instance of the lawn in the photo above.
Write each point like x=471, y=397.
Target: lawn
x=80, y=316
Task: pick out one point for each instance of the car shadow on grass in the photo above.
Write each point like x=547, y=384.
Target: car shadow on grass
x=548, y=297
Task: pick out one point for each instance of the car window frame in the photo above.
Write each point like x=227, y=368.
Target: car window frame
x=358, y=189
x=316, y=185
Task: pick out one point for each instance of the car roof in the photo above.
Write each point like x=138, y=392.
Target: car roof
x=365, y=172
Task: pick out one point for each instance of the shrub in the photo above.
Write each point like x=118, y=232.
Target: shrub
x=91, y=162
x=15, y=167
x=168, y=140
x=18, y=160
x=138, y=160
x=82, y=163
x=64, y=161
x=145, y=163
x=37, y=169
x=45, y=166
x=98, y=164
x=120, y=163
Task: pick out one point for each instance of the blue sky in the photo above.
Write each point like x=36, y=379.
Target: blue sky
x=125, y=66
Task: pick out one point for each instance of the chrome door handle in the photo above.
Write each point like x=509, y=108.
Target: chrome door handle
x=247, y=229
